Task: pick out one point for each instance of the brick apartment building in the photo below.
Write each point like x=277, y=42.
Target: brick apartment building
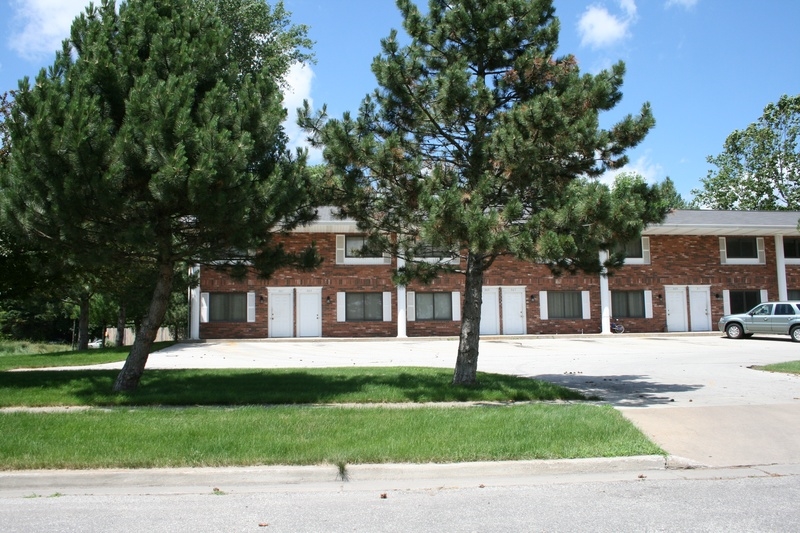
x=682, y=275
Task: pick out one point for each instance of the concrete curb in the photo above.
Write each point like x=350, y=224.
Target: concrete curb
x=182, y=479
x=270, y=478
x=374, y=477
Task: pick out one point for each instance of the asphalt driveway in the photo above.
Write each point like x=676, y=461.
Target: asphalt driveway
x=694, y=395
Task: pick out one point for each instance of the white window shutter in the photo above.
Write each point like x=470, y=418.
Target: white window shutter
x=340, y=240
x=646, y=250
x=341, y=307
x=204, y=297
x=762, y=254
x=456, y=306
x=251, y=307
x=543, y=305
x=411, y=302
x=764, y=295
x=723, y=254
x=586, y=305
x=726, y=302
x=648, y=304
x=387, y=306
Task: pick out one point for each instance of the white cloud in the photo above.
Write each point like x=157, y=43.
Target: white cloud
x=41, y=25
x=687, y=4
x=599, y=28
x=652, y=172
x=298, y=89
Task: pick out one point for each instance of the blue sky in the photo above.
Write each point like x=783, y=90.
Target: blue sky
x=707, y=67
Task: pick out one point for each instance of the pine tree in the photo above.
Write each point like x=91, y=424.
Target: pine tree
x=152, y=141
x=481, y=141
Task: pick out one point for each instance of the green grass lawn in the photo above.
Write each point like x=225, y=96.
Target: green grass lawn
x=168, y=437
x=790, y=367
x=292, y=416
x=22, y=354
x=273, y=386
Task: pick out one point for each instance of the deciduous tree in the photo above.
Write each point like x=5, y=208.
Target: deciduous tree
x=759, y=167
x=480, y=140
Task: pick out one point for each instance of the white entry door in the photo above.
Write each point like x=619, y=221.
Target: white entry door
x=490, y=311
x=514, y=311
x=700, y=308
x=676, y=308
x=281, y=312
x=309, y=312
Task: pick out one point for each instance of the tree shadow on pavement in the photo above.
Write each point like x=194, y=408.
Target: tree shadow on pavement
x=621, y=391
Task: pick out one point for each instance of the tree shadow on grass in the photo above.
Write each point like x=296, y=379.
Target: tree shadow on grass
x=270, y=386
x=622, y=390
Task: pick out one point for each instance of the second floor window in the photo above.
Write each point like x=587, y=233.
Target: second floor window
x=791, y=247
x=741, y=247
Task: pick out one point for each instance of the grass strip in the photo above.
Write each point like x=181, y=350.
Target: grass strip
x=789, y=367
x=239, y=436
x=269, y=386
x=21, y=354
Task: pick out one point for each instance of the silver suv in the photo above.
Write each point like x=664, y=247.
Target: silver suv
x=776, y=318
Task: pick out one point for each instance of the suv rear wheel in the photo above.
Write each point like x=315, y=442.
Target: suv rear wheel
x=734, y=331
x=795, y=333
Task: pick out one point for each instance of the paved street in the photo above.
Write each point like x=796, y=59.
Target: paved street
x=732, y=433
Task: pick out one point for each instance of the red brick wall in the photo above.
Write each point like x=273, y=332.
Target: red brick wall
x=675, y=260
x=692, y=260
x=331, y=277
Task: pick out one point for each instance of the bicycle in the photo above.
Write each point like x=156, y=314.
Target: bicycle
x=616, y=327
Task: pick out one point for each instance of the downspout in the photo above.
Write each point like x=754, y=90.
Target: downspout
x=401, y=304
x=194, y=305
x=605, y=297
x=780, y=259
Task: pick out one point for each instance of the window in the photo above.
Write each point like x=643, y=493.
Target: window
x=564, y=304
x=363, y=306
x=784, y=309
x=632, y=248
x=433, y=306
x=636, y=251
x=791, y=247
x=349, y=252
x=228, y=307
x=743, y=301
x=793, y=295
x=628, y=304
x=741, y=248
x=353, y=246
x=430, y=251
x=763, y=310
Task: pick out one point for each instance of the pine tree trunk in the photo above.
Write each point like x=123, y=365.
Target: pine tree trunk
x=121, y=320
x=83, y=323
x=467, y=361
x=128, y=378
